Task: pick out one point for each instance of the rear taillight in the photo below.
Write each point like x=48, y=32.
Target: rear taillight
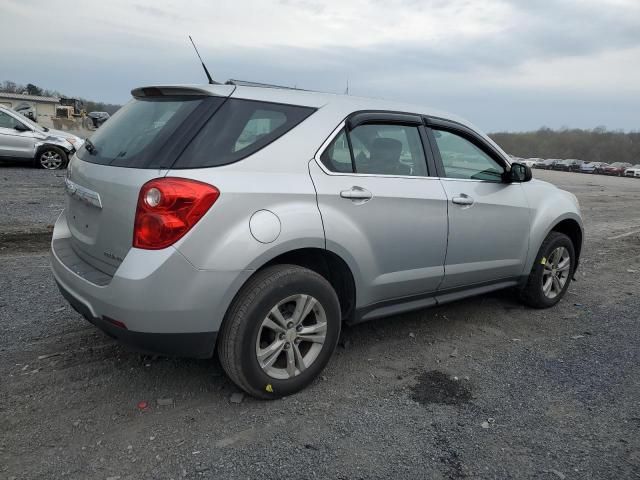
x=168, y=208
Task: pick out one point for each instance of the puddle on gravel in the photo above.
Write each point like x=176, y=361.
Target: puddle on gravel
x=438, y=387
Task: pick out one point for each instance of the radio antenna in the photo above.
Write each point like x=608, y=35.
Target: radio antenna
x=211, y=82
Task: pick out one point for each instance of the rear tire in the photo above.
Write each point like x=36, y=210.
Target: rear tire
x=550, y=276
x=263, y=318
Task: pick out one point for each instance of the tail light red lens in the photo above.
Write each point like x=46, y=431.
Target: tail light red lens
x=168, y=208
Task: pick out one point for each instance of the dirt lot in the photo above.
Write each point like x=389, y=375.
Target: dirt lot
x=484, y=388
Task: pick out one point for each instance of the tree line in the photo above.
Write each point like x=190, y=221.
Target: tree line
x=597, y=145
x=9, y=86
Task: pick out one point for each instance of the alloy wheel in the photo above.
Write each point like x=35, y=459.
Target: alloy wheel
x=291, y=336
x=556, y=272
x=50, y=160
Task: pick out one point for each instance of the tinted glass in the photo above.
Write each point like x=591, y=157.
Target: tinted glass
x=238, y=129
x=336, y=156
x=388, y=150
x=462, y=159
x=137, y=130
x=7, y=121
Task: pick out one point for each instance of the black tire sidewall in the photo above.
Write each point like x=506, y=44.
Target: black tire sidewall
x=558, y=240
x=296, y=283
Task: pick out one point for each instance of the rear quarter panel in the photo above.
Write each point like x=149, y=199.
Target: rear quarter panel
x=223, y=240
x=276, y=179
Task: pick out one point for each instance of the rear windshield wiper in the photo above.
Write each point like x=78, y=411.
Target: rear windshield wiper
x=91, y=148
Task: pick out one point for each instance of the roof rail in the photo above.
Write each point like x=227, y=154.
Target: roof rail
x=244, y=83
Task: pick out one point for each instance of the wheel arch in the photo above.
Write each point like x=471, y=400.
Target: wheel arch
x=324, y=262
x=572, y=229
x=43, y=146
x=570, y=224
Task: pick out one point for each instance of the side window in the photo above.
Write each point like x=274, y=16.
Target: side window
x=262, y=122
x=388, y=150
x=378, y=149
x=7, y=121
x=336, y=156
x=238, y=129
x=462, y=159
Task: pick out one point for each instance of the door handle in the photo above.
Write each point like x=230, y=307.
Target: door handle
x=462, y=199
x=356, y=193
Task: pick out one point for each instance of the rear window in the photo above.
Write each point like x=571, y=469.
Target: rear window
x=238, y=129
x=135, y=134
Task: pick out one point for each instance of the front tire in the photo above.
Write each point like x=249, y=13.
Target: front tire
x=51, y=158
x=280, y=331
x=551, y=273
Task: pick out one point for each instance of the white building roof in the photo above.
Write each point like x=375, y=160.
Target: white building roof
x=32, y=98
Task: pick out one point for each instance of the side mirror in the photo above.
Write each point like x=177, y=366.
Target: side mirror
x=519, y=173
x=21, y=127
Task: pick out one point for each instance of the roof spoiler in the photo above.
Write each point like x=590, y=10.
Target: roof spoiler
x=160, y=91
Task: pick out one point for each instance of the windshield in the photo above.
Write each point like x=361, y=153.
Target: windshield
x=138, y=131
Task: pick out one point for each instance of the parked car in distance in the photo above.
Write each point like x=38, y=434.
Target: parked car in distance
x=633, y=171
x=529, y=162
x=548, y=164
x=616, y=168
x=592, y=167
x=246, y=237
x=568, y=165
x=23, y=139
x=98, y=118
x=538, y=162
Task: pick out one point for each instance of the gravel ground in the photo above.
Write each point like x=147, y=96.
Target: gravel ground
x=30, y=199
x=483, y=388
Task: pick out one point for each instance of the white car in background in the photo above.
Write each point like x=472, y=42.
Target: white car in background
x=538, y=162
x=633, y=171
x=530, y=162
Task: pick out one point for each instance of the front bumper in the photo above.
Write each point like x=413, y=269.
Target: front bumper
x=167, y=305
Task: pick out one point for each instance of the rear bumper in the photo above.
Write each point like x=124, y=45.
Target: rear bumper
x=194, y=345
x=167, y=305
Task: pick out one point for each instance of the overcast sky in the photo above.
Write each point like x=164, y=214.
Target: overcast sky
x=503, y=64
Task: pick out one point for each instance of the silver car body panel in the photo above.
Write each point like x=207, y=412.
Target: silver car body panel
x=16, y=144
x=497, y=223
x=408, y=245
x=395, y=243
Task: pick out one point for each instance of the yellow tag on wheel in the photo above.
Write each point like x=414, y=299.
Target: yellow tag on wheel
x=543, y=261
x=269, y=388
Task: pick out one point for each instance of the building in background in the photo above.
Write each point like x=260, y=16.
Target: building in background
x=37, y=108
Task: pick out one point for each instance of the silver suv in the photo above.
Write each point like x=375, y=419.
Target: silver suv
x=255, y=221
x=23, y=139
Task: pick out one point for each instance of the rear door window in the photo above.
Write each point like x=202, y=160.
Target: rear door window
x=377, y=149
x=337, y=156
x=239, y=129
x=388, y=150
